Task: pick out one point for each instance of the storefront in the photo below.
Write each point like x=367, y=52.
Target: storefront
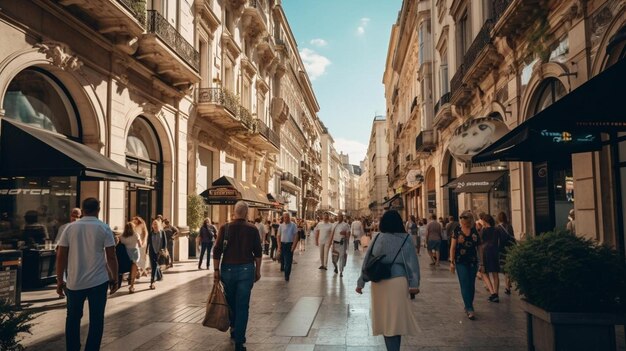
x=590, y=118
x=488, y=191
x=227, y=191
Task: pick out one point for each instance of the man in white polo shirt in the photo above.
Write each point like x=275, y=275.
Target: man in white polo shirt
x=341, y=234
x=323, y=239
x=81, y=254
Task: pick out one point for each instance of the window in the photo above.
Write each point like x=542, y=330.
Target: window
x=551, y=91
x=443, y=73
x=463, y=35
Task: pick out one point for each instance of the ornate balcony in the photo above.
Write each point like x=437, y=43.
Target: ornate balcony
x=279, y=110
x=163, y=48
x=264, y=138
x=122, y=21
x=254, y=20
x=511, y=16
x=478, y=61
x=425, y=143
x=290, y=181
x=443, y=112
x=221, y=107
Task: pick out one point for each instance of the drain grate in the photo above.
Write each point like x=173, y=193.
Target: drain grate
x=187, y=314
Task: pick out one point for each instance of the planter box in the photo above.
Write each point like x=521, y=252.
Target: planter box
x=548, y=331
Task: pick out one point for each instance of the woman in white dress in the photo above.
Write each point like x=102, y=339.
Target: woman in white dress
x=142, y=231
x=131, y=240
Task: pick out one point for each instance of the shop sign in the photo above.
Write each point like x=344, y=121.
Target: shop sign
x=567, y=137
x=223, y=192
x=36, y=192
x=461, y=185
x=474, y=136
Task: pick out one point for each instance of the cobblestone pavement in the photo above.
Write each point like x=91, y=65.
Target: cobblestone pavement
x=169, y=317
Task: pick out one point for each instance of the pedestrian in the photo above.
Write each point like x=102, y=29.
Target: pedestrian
x=433, y=238
x=412, y=229
x=237, y=262
x=207, y=235
x=142, y=229
x=266, y=239
x=132, y=242
x=444, y=250
x=302, y=234
x=571, y=222
x=274, y=242
x=323, y=239
x=87, y=255
x=288, y=240
x=507, y=240
x=391, y=310
x=490, y=260
x=75, y=215
x=464, y=254
x=421, y=232
x=357, y=231
x=171, y=234
x=341, y=235
x=258, y=223
x=156, y=242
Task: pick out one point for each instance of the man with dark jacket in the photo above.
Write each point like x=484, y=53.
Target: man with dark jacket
x=238, y=249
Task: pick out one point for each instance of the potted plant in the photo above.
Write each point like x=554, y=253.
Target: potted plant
x=574, y=291
x=196, y=209
x=12, y=323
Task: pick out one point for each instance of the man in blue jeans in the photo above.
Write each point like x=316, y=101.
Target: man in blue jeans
x=238, y=247
x=81, y=254
x=288, y=241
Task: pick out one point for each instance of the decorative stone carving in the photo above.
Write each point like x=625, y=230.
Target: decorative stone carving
x=60, y=55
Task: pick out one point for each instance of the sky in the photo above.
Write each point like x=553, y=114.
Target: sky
x=343, y=44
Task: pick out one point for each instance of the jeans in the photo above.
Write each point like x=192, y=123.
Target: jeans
x=156, y=273
x=286, y=256
x=274, y=246
x=205, y=247
x=467, y=278
x=97, y=297
x=238, y=280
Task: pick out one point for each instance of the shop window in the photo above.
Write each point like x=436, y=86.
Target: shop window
x=33, y=208
x=551, y=90
x=34, y=97
x=143, y=155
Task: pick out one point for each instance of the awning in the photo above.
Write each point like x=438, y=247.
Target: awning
x=32, y=152
x=478, y=182
x=570, y=125
x=274, y=202
x=227, y=191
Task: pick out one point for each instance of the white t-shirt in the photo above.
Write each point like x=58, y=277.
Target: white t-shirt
x=357, y=229
x=338, y=228
x=261, y=229
x=86, y=262
x=325, y=229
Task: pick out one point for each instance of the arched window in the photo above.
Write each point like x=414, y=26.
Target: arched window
x=550, y=91
x=143, y=155
x=616, y=49
x=36, y=98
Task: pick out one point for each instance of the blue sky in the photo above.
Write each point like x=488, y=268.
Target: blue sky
x=343, y=44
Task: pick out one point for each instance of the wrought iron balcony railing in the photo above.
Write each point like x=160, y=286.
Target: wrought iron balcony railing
x=267, y=133
x=137, y=8
x=444, y=99
x=480, y=42
x=246, y=118
x=158, y=25
x=425, y=141
x=220, y=96
x=499, y=8
x=259, y=6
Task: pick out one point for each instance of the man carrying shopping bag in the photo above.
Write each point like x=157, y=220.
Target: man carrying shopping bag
x=238, y=249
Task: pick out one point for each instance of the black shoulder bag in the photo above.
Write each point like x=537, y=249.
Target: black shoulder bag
x=376, y=270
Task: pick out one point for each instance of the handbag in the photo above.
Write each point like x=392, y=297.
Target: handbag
x=376, y=270
x=163, y=258
x=217, y=310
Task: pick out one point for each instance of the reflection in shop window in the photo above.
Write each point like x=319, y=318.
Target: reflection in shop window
x=34, y=204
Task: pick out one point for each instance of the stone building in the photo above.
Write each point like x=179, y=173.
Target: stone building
x=495, y=65
x=375, y=175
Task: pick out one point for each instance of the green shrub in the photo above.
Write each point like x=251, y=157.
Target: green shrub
x=12, y=323
x=561, y=272
x=196, y=208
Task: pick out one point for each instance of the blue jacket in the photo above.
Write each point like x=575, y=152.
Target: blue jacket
x=405, y=265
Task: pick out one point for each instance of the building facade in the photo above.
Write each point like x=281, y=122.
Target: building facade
x=491, y=69
x=374, y=175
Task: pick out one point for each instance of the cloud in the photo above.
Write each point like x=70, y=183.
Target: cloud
x=314, y=63
x=355, y=149
x=319, y=42
x=363, y=22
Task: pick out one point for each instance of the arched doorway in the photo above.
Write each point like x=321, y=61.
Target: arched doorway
x=37, y=98
x=553, y=182
x=144, y=156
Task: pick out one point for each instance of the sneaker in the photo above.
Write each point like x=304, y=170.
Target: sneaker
x=341, y=274
x=336, y=271
x=325, y=268
x=321, y=267
x=507, y=291
x=239, y=347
